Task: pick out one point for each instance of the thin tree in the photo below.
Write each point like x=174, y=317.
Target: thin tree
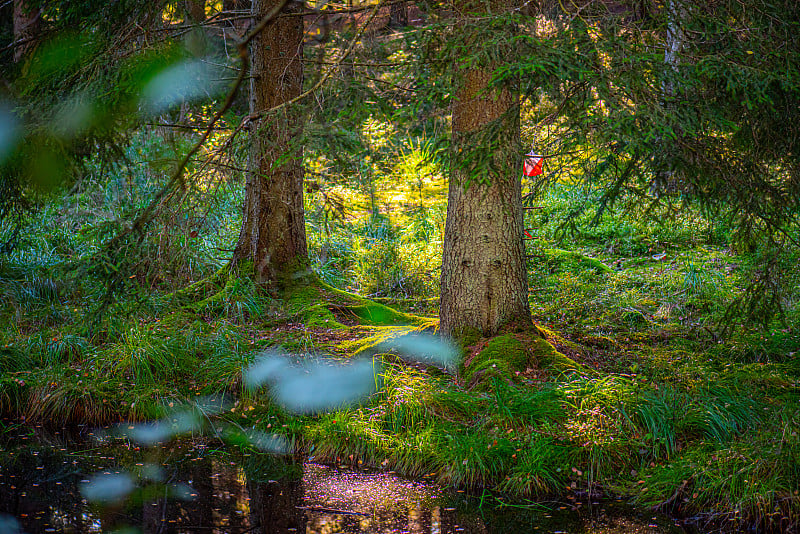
x=484, y=279
x=398, y=14
x=27, y=24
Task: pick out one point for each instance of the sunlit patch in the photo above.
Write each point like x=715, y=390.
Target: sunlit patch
x=364, y=492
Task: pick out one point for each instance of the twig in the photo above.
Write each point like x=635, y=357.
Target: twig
x=181, y=126
x=354, y=64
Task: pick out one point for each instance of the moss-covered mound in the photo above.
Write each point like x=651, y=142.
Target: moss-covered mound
x=509, y=356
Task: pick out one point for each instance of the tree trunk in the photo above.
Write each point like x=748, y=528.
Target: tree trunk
x=234, y=5
x=398, y=15
x=484, y=276
x=196, y=39
x=27, y=24
x=195, y=10
x=674, y=42
x=665, y=178
x=273, y=234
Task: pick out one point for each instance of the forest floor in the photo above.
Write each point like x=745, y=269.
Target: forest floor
x=625, y=387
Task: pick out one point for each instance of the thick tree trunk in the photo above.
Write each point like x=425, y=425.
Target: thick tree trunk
x=273, y=234
x=27, y=23
x=484, y=278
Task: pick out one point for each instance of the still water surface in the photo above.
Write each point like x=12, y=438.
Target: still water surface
x=202, y=488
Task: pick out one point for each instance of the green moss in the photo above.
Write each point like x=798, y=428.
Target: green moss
x=507, y=354
x=468, y=336
x=316, y=303
x=372, y=313
x=634, y=318
x=300, y=298
x=554, y=338
x=309, y=303
x=216, y=301
x=568, y=259
x=545, y=356
x=201, y=288
x=484, y=376
x=507, y=348
x=319, y=316
x=179, y=319
x=499, y=359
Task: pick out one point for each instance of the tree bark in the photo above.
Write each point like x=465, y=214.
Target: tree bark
x=273, y=234
x=398, y=15
x=195, y=10
x=665, y=178
x=196, y=39
x=234, y=5
x=27, y=23
x=484, y=276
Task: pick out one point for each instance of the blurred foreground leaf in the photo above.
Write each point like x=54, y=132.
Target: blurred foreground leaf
x=186, y=81
x=181, y=421
x=9, y=131
x=422, y=347
x=315, y=386
x=107, y=488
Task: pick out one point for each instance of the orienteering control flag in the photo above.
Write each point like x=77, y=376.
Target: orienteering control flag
x=533, y=164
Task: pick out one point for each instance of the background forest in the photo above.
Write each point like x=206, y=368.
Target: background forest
x=192, y=192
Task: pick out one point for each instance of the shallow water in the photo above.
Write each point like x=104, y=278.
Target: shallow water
x=202, y=488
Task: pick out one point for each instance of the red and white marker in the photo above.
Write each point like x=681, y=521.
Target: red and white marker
x=533, y=164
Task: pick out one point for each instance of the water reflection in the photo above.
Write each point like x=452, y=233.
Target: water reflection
x=201, y=488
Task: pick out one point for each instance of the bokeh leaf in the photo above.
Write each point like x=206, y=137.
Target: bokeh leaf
x=107, y=488
x=9, y=131
x=422, y=347
x=315, y=386
x=189, y=80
